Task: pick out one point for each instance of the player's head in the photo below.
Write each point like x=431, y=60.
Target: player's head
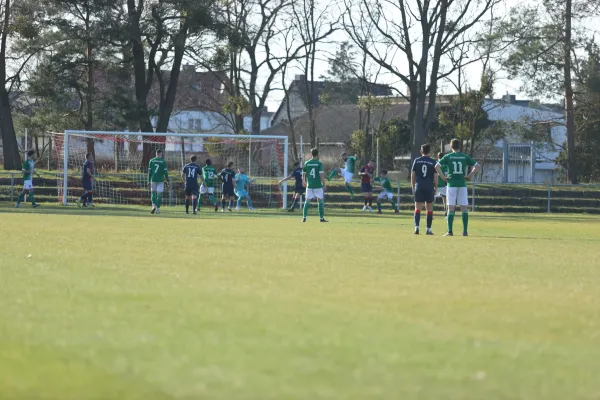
x=31, y=154
x=425, y=149
x=384, y=172
x=230, y=164
x=314, y=153
x=371, y=163
x=88, y=156
x=455, y=144
x=440, y=156
x=297, y=164
x=344, y=156
x=159, y=153
x=208, y=162
x=241, y=170
x=193, y=158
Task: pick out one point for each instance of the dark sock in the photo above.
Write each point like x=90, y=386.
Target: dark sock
x=83, y=197
x=187, y=205
x=379, y=207
x=450, y=220
x=90, y=198
x=370, y=201
x=465, y=220
x=429, y=219
x=21, y=198
x=366, y=201
x=194, y=204
x=223, y=204
x=417, y=217
x=295, y=199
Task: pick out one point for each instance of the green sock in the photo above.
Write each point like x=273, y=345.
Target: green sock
x=21, y=197
x=394, y=205
x=450, y=220
x=212, y=199
x=465, y=218
x=379, y=207
x=31, y=198
x=158, y=200
x=199, y=202
x=349, y=188
x=321, y=209
x=305, y=209
x=153, y=198
x=332, y=174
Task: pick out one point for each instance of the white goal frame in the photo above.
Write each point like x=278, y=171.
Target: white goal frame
x=169, y=134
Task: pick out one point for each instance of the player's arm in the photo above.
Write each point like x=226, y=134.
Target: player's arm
x=475, y=168
x=322, y=175
x=413, y=180
x=304, y=178
x=438, y=169
x=90, y=174
x=362, y=171
x=435, y=181
x=286, y=179
x=150, y=172
x=166, y=173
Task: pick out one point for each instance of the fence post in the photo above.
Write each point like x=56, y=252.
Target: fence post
x=549, y=191
x=378, y=159
x=505, y=162
x=12, y=187
x=301, y=164
x=473, y=195
x=170, y=191
x=398, y=205
x=532, y=162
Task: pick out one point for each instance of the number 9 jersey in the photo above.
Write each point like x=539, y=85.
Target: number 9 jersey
x=424, y=168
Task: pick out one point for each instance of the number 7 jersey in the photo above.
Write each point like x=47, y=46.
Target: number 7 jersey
x=457, y=165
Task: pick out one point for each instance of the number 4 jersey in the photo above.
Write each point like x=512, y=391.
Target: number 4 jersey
x=457, y=165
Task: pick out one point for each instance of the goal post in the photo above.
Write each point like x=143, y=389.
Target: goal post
x=121, y=160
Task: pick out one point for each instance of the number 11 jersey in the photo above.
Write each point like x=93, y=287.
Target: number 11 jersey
x=457, y=165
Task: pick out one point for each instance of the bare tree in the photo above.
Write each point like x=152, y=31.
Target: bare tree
x=422, y=33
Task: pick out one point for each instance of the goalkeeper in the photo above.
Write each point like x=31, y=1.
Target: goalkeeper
x=242, y=185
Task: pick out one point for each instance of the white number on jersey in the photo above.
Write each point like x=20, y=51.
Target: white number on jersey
x=211, y=175
x=313, y=173
x=157, y=166
x=458, y=167
x=424, y=170
x=191, y=172
x=226, y=177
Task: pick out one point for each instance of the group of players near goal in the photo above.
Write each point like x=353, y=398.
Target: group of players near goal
x=446, y=177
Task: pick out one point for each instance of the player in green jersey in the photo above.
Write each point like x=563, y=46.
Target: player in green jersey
x=457, y=164
x=209, y=175
x=347, y=172
x=313, y=178
x=157, y=174
x=387, y=192
x=28, y=171
x=441, y=191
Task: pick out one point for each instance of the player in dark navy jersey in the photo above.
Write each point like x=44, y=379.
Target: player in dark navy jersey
x=190, y=174
x=299, y=189
x=87, y=179
x=366, y=183
x=227, y=176
x=424, y=185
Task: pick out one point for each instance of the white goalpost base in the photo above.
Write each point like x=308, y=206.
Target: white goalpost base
x=121, y=162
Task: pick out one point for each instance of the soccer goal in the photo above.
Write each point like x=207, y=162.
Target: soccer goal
x=121, y=163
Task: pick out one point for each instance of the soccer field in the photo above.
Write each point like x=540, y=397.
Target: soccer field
x=114, y=303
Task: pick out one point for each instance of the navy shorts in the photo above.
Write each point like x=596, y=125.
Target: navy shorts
x=87, y=185
x=366, y=187
x=424, y=195
x=227, y=191
x=299, y=189
x=191, y=191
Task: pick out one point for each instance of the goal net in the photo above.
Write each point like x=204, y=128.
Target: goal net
x=121, y=164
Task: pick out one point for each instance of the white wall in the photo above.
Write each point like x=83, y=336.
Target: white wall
x=209, y=121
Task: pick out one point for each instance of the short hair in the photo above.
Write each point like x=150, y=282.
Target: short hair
x=384, y=172
x=159, y=151
x=371, y=160
x=30, y=153
x=297, y=164
x=314, y=152
x=87, y=155
x=208, y=162
x=455, y=144
x=193, y=158
x=230, y=164
x=344, y=154
x=425, y=148
x=440, y=155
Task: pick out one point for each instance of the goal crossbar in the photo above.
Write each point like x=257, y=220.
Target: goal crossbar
x=67, y=133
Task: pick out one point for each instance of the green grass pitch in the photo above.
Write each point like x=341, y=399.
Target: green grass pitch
x=114, y=303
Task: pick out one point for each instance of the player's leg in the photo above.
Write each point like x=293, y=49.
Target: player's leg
x=451, y=197
x=380, y=199
x=320, y=195
x=294, y=200
x=90, y=198
x=393, y=201
x=347, y=179
x=310, y=194
x=463, y=202
x=429, y=208
x=370, y=196
x=249, y=201
x=334, y=172
x=231, y=200
x=31, y=198
x=195, y=201
x=188, y=198
x=160, y=188
x=223, y=196
x=417, y=213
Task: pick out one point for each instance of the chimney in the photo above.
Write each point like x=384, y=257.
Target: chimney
x=189, y=68
x=300, y=78
x=509, y=98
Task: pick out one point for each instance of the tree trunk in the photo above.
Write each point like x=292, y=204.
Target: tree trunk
x=569, y=117
x=89, y=122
